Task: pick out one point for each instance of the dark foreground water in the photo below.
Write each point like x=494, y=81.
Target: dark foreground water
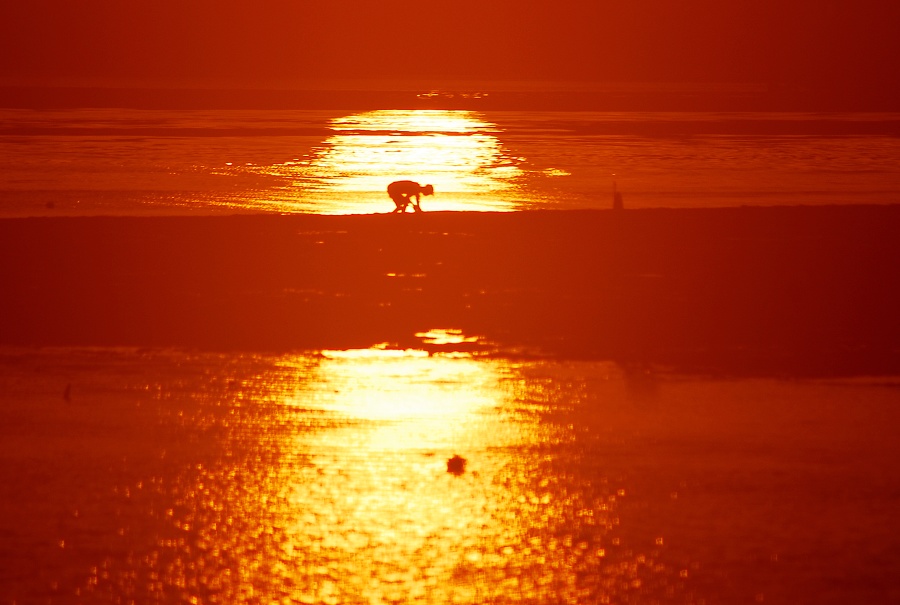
x=164, y=476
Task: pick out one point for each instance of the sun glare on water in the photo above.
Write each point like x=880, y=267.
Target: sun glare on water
x=382, y=468
x=457, y=152
x=443, y=394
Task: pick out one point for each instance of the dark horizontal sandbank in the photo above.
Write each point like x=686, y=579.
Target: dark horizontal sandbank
x=788, y=290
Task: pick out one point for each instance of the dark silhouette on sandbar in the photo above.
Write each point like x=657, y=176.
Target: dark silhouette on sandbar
x=404, y=192
x=617, y=199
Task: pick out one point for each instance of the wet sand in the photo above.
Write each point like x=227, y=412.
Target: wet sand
x=774, y=291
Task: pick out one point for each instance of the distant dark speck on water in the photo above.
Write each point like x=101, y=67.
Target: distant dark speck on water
x=456, y=465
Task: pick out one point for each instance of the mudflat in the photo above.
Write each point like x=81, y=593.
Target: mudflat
x=806, y=290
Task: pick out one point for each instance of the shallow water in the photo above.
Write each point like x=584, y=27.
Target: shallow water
x=157, y=476
x=126, y=161
x=322, y=477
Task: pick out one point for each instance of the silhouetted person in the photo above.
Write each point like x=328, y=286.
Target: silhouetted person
x=404, y=192
x=617, y=199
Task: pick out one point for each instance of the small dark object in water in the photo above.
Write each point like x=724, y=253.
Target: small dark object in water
x=456, y=465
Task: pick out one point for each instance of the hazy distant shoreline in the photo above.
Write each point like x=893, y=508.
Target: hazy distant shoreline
x=784, y=290
x=475, y=96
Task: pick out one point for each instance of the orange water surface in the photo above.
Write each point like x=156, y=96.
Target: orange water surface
x=322, y=477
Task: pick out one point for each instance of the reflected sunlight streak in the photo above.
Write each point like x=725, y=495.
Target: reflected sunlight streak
x=394, y=528
x=323, y=477
x=388, y=384
x=456, y=151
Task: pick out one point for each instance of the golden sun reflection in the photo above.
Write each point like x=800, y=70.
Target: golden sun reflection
x=393, y=528
x=443, y=395
x=323, y=477
x=456, y=151
x=445, y=337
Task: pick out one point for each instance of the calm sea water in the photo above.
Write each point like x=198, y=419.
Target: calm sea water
x=175, y=477
x=164, y=476
x=133, y=162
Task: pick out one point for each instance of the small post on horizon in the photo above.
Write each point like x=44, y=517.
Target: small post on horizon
x=617, y=198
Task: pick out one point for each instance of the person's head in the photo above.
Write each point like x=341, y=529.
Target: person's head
x=427, y=190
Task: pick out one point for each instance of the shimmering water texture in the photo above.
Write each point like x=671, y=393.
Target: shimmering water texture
x=330, y=162
x=163, y=477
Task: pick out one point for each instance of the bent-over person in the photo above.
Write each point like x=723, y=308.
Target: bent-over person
x=404, y=192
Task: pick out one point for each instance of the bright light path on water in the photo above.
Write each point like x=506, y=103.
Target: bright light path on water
x=457, y=152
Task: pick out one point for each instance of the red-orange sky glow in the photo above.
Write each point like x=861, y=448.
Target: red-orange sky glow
x=829, y=45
